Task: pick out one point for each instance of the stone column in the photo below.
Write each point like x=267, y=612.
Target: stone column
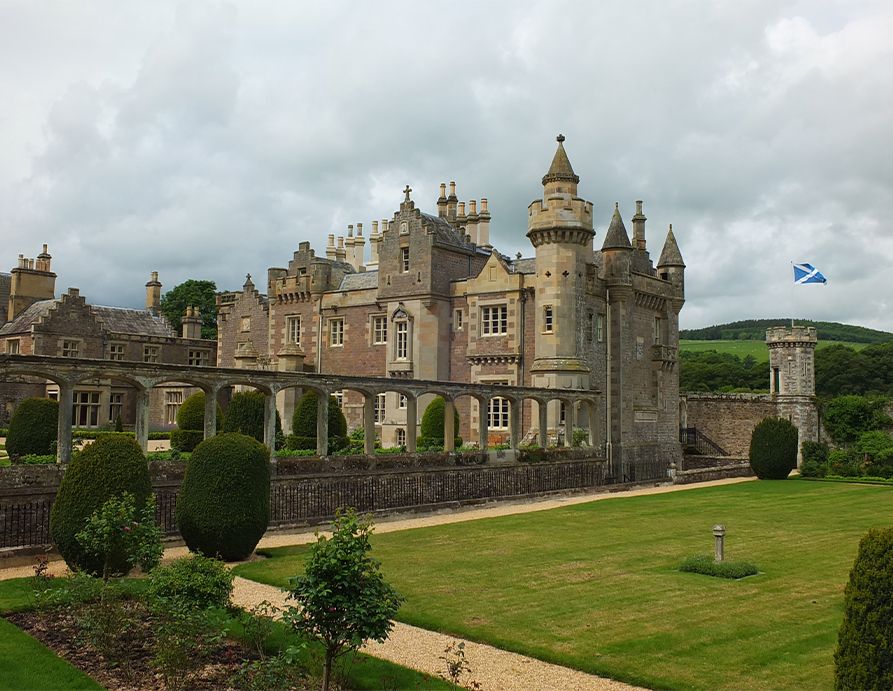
x=270, y=421
x=411, y=419
x=369, y=424
x=290, y=359
x=211, y=412
x=570, y=418
x=449, y=427
x=322, y=423
x=543, y=409
x=141, y=426
x=483, y=429
x=514, y=424
x=63, y=428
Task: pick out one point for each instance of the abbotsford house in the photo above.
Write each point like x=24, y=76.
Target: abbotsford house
x=430, y=299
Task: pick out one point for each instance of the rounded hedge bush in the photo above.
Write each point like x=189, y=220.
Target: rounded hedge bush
x=191, y=414
x=107, y=468
x=245, y=415
x=303, y=421
x=773, y=449
x=432, y=419
x=223, y=507
x=864, y=655
x=33, y=428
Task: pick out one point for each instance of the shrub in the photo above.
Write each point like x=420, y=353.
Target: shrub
x=196, y=580
x=303, y=421
x=186, y=439
x=864, y=655
x=33, y=427
x=704, y=564
x=245, y=415
x=107, y=468
x=843, y=463
x=191, y=414
x=814, y=451
x=224, y=503
x=431, y=433
x=846, y=417
x=773, y=449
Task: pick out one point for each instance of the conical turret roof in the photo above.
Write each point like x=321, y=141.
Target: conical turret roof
x=670, y=254
x=561, y=168
x=616, y=237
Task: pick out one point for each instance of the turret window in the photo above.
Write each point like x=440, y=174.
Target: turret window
x=547, y=319
x=494, y=320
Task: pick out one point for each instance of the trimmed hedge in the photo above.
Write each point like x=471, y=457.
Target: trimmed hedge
x=773, y=449
x=303, y=421
x=245, y=415
x=33, y=428
x=223, y=507
x=186, y=439
x=705, y=565
x=864, y=655
x=191, y=415
x=107, y=468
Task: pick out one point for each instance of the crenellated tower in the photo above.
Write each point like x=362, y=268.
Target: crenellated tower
x=792, y=378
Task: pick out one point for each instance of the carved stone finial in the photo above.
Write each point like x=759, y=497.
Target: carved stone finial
x=406, y=191
x=559, y=138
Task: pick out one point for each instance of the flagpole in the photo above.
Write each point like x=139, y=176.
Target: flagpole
x=792, y=295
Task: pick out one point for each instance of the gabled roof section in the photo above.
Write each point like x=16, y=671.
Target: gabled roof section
x=561, y=168
x=670, y=254
x=616, y=237
x=526, y=265
x=444, y=233
x=359, y=281
x=130, y=321
x=28, y=316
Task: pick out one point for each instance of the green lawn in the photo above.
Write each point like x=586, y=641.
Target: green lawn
x=757, y=349
x=595, y=586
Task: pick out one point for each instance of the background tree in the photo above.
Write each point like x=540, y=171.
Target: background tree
x=192, y=293
x=343, y=599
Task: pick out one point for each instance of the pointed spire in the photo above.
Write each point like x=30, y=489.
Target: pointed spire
x=561, y=168
x=616, y=237
x=670, y=254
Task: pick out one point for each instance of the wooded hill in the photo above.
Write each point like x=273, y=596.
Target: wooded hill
x=755, y=329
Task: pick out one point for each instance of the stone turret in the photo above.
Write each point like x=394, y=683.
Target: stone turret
x=792, y=378
x=560, y=229
x=670, y=266
x=616, y=252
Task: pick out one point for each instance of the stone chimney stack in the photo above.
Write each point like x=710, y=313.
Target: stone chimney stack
x=349, y=247
x=192, y=323
x=374, y=240
x=452, y=201
x=32, y=281
x=359, y=249
x=471, y=222
x=330, y=248
x=153, y=294
x=484, y=224
x=639, y=227
x=442, y=201
x=340, y=252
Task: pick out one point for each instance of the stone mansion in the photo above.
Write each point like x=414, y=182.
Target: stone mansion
x=433, y=299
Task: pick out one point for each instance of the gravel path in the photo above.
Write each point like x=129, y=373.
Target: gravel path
x=492, y=668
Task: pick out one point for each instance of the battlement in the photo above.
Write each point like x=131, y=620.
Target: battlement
x=780, y=336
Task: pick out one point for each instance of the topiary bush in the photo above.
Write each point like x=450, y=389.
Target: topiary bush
x=245, y=415
x=33, y=428
x=107, y=468
x=191, y=423
x=186, y=439
x=197, y=581
x=773, y=449
x=864, y=655
x=223, y=507
x=303, y=424
x=431, y=435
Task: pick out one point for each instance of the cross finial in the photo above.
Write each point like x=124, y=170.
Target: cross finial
x=406, y=191
x=559, y=138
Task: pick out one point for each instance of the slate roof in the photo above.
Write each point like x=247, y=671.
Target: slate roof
x=527, y=265
x=670, y=255
x=616, y=237
x=561, y=168
x=115, y=319
x=359, y=281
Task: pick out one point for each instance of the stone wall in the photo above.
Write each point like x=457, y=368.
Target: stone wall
x=727, y=419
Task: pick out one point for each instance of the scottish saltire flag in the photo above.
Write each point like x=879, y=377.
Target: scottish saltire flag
x=806, y=273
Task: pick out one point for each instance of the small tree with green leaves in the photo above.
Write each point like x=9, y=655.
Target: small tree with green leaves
x=864, y=655
x=343, y=599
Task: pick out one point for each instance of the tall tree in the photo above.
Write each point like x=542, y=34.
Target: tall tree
x=192, y=293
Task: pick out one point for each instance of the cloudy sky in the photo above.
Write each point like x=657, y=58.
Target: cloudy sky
x=206, y=139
